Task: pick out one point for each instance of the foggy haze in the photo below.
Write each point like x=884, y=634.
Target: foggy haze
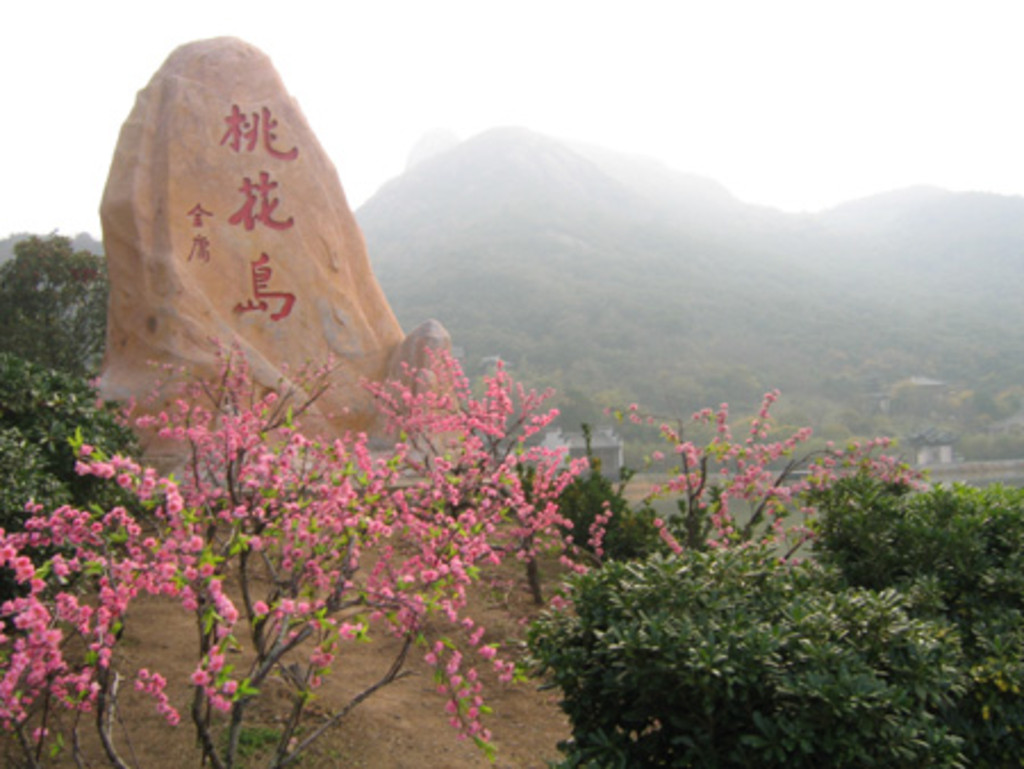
x=797, y=105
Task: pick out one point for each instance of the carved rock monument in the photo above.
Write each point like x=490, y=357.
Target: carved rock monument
x=224, y=222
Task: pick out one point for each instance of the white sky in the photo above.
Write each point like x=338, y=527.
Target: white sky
x=798, y=105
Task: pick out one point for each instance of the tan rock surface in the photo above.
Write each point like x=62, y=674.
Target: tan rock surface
x=224, y=219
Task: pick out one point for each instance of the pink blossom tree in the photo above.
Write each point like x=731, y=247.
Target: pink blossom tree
x=282, y=548
x=737, y=490
x=455, y=439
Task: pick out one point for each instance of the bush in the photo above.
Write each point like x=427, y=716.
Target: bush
x=40, y=412
x=24, y=475
x=726, y=658
x=587, y=502
x=969, y=541
x=960, y=553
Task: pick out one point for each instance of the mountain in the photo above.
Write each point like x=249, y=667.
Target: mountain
x=606, y=274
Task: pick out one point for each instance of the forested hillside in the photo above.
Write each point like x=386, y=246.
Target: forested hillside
x=612, y=276
x=617, y=279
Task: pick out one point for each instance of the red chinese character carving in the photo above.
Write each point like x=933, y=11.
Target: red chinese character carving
x=247, y=214
x=200, y=249
x=261, y=274
x=197, y=213
x=269, y=124
x=240, y=127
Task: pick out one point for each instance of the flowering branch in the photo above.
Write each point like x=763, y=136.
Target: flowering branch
x=734, y=491
x=285, y=549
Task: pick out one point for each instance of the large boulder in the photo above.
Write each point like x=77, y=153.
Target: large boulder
x=224, y=223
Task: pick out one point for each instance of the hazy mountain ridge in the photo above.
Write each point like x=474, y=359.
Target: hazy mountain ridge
x=604, y=271
x=597, y=271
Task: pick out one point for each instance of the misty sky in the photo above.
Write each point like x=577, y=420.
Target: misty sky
x=798, y=105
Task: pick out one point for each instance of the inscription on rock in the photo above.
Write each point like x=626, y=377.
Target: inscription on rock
x=224, y=222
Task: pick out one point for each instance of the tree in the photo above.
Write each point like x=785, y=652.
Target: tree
x=731, y=491
x=283, y=550
x=53, y=305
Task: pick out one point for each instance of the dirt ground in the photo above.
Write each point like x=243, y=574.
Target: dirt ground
x=402, y=726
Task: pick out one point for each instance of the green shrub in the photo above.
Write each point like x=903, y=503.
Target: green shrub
x=959, y=553
x=628, y=534
x=970, y=540
x=728, y=659
x=40, y=411
x=25, y=475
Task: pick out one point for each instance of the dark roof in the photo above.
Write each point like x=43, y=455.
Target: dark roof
x=932, y=436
